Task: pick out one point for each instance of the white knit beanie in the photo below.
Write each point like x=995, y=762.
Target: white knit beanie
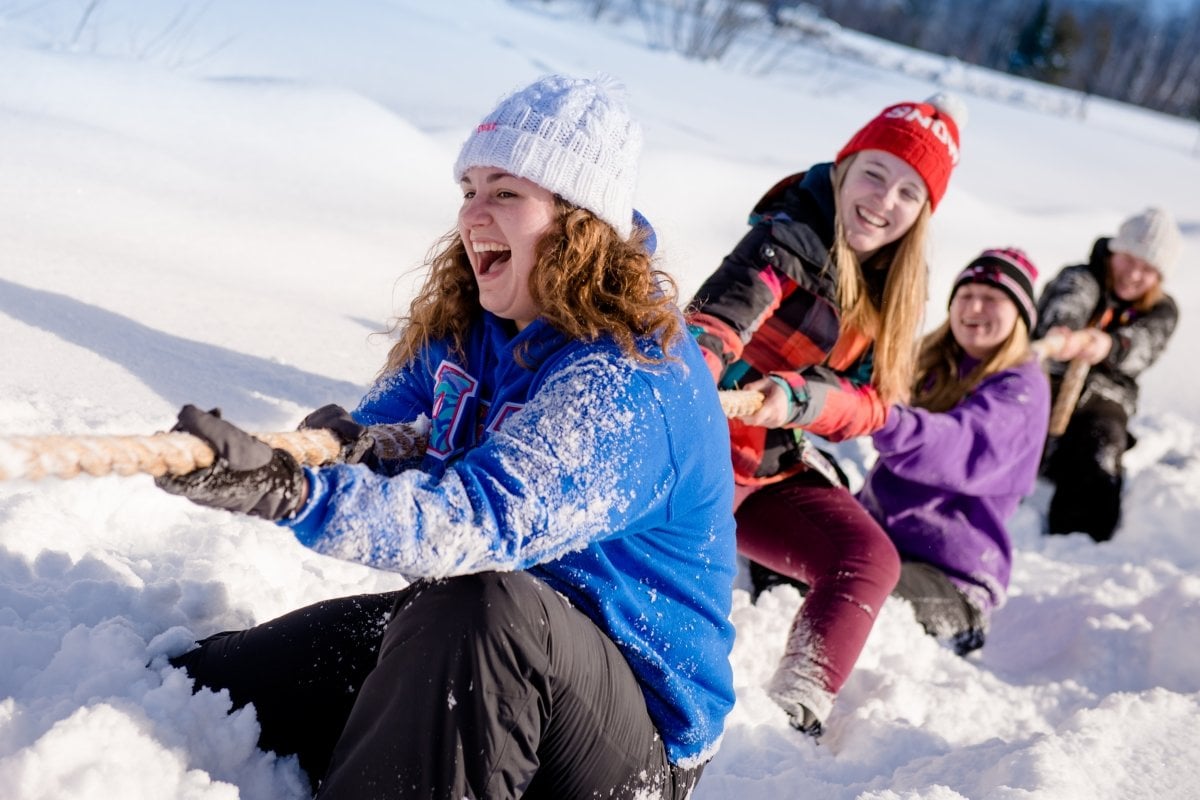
x=572, y=136
x=1151, y=236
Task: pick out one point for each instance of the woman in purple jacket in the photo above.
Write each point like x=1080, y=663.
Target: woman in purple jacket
x=954, y=465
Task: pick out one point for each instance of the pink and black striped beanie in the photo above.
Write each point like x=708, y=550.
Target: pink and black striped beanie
x=1010, y=271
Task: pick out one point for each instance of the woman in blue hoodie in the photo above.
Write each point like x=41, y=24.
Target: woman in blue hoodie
x=568, y=528
x=955, y=464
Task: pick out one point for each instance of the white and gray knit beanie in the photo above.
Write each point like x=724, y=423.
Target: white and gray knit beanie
x=1151, y=236
x=573, y=136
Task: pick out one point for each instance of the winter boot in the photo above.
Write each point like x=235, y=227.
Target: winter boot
x=794, y=688
x=807, y=723
x=763, y=579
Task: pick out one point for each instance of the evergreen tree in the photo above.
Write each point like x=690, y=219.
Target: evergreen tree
x=1033, y=39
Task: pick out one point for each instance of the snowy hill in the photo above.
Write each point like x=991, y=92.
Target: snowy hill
x=226, y=217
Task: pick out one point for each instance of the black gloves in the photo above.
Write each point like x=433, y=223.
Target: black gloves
x=357, y=442
x=248, y=476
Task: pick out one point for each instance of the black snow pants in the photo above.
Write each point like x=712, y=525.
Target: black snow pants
x=1085, y=466
x=482, y=686
x=941, y=607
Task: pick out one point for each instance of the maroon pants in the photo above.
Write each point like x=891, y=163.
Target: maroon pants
x=820, y=535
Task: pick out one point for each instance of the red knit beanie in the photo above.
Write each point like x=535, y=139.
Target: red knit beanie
x=924, y=135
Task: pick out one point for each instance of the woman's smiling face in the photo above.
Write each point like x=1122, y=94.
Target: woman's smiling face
x=981, y=319
x=501, y=221
x=1132, y=277
x=880, y=198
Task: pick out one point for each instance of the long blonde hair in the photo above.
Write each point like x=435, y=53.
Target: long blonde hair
x=893, y=327
x=586, y=281
x=938, y=385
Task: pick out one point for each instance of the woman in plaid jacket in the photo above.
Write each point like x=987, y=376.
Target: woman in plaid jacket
x=818, y=308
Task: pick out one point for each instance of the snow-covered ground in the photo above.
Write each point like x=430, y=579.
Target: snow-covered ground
x=224, y=210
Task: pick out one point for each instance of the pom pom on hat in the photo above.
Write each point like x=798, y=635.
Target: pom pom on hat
x=1010, y=271
x=573, y=136
x=951, y=105
x=1151, y=236
x=924, y=135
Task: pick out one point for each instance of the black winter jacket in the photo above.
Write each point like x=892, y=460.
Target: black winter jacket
x=1077, y=297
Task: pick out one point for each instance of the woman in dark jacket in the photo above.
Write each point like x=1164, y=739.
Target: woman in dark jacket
x=818, y=308
x=1111, y=312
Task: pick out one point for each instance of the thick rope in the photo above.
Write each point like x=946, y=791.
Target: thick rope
x=1069, y=390
x=740, y=402
x=35, y=457
x=1047, y=347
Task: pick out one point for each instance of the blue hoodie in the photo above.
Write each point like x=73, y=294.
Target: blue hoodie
x=606, y=478
x=945, y=483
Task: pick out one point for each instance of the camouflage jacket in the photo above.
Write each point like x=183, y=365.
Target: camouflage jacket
x=1078, y=297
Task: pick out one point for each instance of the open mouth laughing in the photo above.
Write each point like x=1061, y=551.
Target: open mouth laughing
x=489, y=255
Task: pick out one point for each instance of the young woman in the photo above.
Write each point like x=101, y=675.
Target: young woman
x=1113, y=313
x=817, y=308
x=955, y=464
x=568, y=530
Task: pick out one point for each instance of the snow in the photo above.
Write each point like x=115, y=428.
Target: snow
x=223, y=213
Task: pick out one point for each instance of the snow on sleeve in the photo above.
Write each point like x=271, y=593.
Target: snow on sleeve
x=564, y=471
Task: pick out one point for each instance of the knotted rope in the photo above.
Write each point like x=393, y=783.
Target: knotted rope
x=740, y=402
x=34, y=457
x=1069, y=388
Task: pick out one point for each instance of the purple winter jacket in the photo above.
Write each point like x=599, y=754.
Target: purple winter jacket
x=946, y=482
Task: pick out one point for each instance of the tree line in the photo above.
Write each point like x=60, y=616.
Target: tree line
x=1126, y=50
x=1117, y=49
